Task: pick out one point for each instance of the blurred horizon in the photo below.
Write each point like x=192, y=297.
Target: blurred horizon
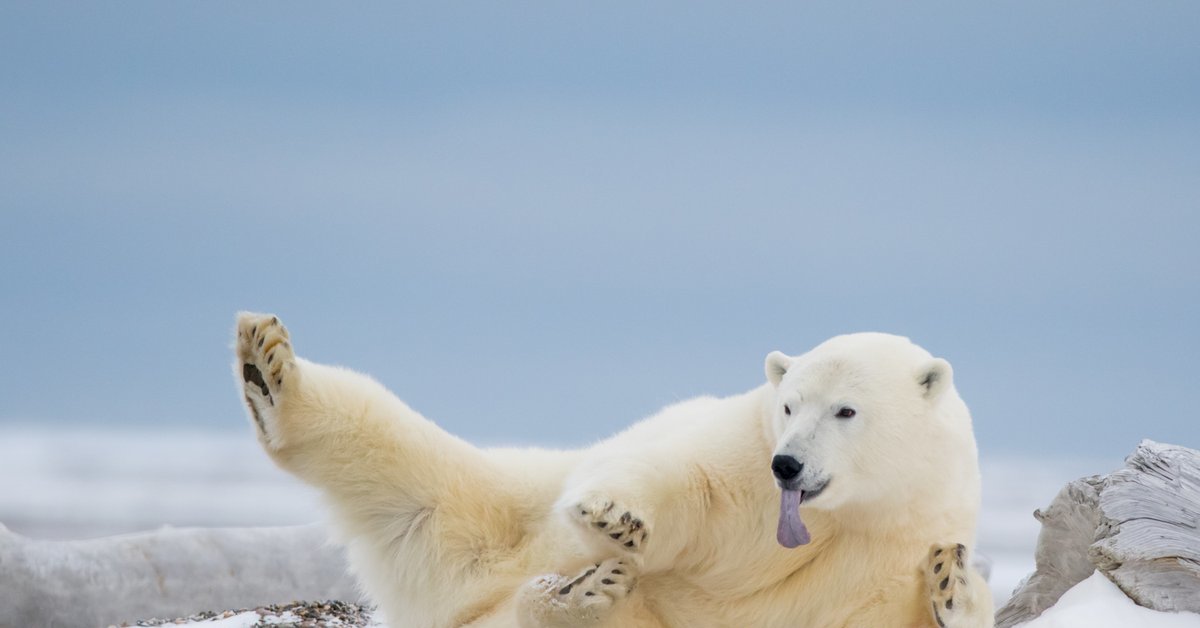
x=537, y=224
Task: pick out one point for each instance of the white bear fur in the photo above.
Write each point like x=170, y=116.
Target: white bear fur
x=441, y=533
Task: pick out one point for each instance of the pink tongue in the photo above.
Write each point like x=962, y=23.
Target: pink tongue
x=791, y=532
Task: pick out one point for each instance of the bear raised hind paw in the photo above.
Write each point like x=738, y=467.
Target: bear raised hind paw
x=265, y=362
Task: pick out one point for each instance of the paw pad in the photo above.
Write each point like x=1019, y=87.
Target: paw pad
x=252, y=375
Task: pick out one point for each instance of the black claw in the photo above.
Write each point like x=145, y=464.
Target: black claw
x=944, y=583
x=618, y=572
x=601, y=524
x=607, y=581
x=260, y=341
x=937, y=568
x=949, y=603
x=615, y=535
x=628, y=543
x=590, y=593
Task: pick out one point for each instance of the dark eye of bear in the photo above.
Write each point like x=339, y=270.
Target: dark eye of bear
x=846, y=413
x=787, y=410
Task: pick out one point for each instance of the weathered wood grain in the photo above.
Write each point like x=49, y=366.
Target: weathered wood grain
x=1148, y=542
x=1139, y=525
x=170, y=572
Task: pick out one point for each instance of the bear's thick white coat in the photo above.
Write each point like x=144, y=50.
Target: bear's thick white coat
x=672, y=522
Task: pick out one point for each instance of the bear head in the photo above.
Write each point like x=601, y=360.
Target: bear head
x=857, y=421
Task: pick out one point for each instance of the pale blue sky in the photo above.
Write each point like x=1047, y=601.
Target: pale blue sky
x=538, y=222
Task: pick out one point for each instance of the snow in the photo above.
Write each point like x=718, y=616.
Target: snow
x=241, y=620
x=287, y=617
x=1098, y=603
x=73, y=483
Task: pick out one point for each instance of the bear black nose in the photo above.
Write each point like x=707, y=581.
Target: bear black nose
x=786, y=467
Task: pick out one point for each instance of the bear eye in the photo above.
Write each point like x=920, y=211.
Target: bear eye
x=846, y=413
x=787, y=410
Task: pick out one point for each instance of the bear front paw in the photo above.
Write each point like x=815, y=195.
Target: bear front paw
x=946, y=576
x=620, y=525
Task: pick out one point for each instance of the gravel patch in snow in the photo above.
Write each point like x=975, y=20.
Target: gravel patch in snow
x=327, y=614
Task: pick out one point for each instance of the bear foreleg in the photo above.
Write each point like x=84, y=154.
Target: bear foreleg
x=618, y=504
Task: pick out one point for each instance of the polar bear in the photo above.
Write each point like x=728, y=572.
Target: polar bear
x=842, y=492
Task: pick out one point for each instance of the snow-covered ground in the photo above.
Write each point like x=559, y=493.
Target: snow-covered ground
x=75, y=483
x=1098, y=603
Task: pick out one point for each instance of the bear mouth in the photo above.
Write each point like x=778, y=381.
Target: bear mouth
x=812, y=493
x=809, y=493
x=792, y=532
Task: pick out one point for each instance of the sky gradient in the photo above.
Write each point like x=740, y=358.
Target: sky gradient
x=538, y=223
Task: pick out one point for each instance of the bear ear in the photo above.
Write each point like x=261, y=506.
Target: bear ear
x=777, y=364
x=934, y=377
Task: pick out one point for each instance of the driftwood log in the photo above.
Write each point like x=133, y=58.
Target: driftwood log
x=1140, y=526
x=171, y=572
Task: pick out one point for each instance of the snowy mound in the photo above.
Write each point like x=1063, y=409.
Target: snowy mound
x=1098, y=603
